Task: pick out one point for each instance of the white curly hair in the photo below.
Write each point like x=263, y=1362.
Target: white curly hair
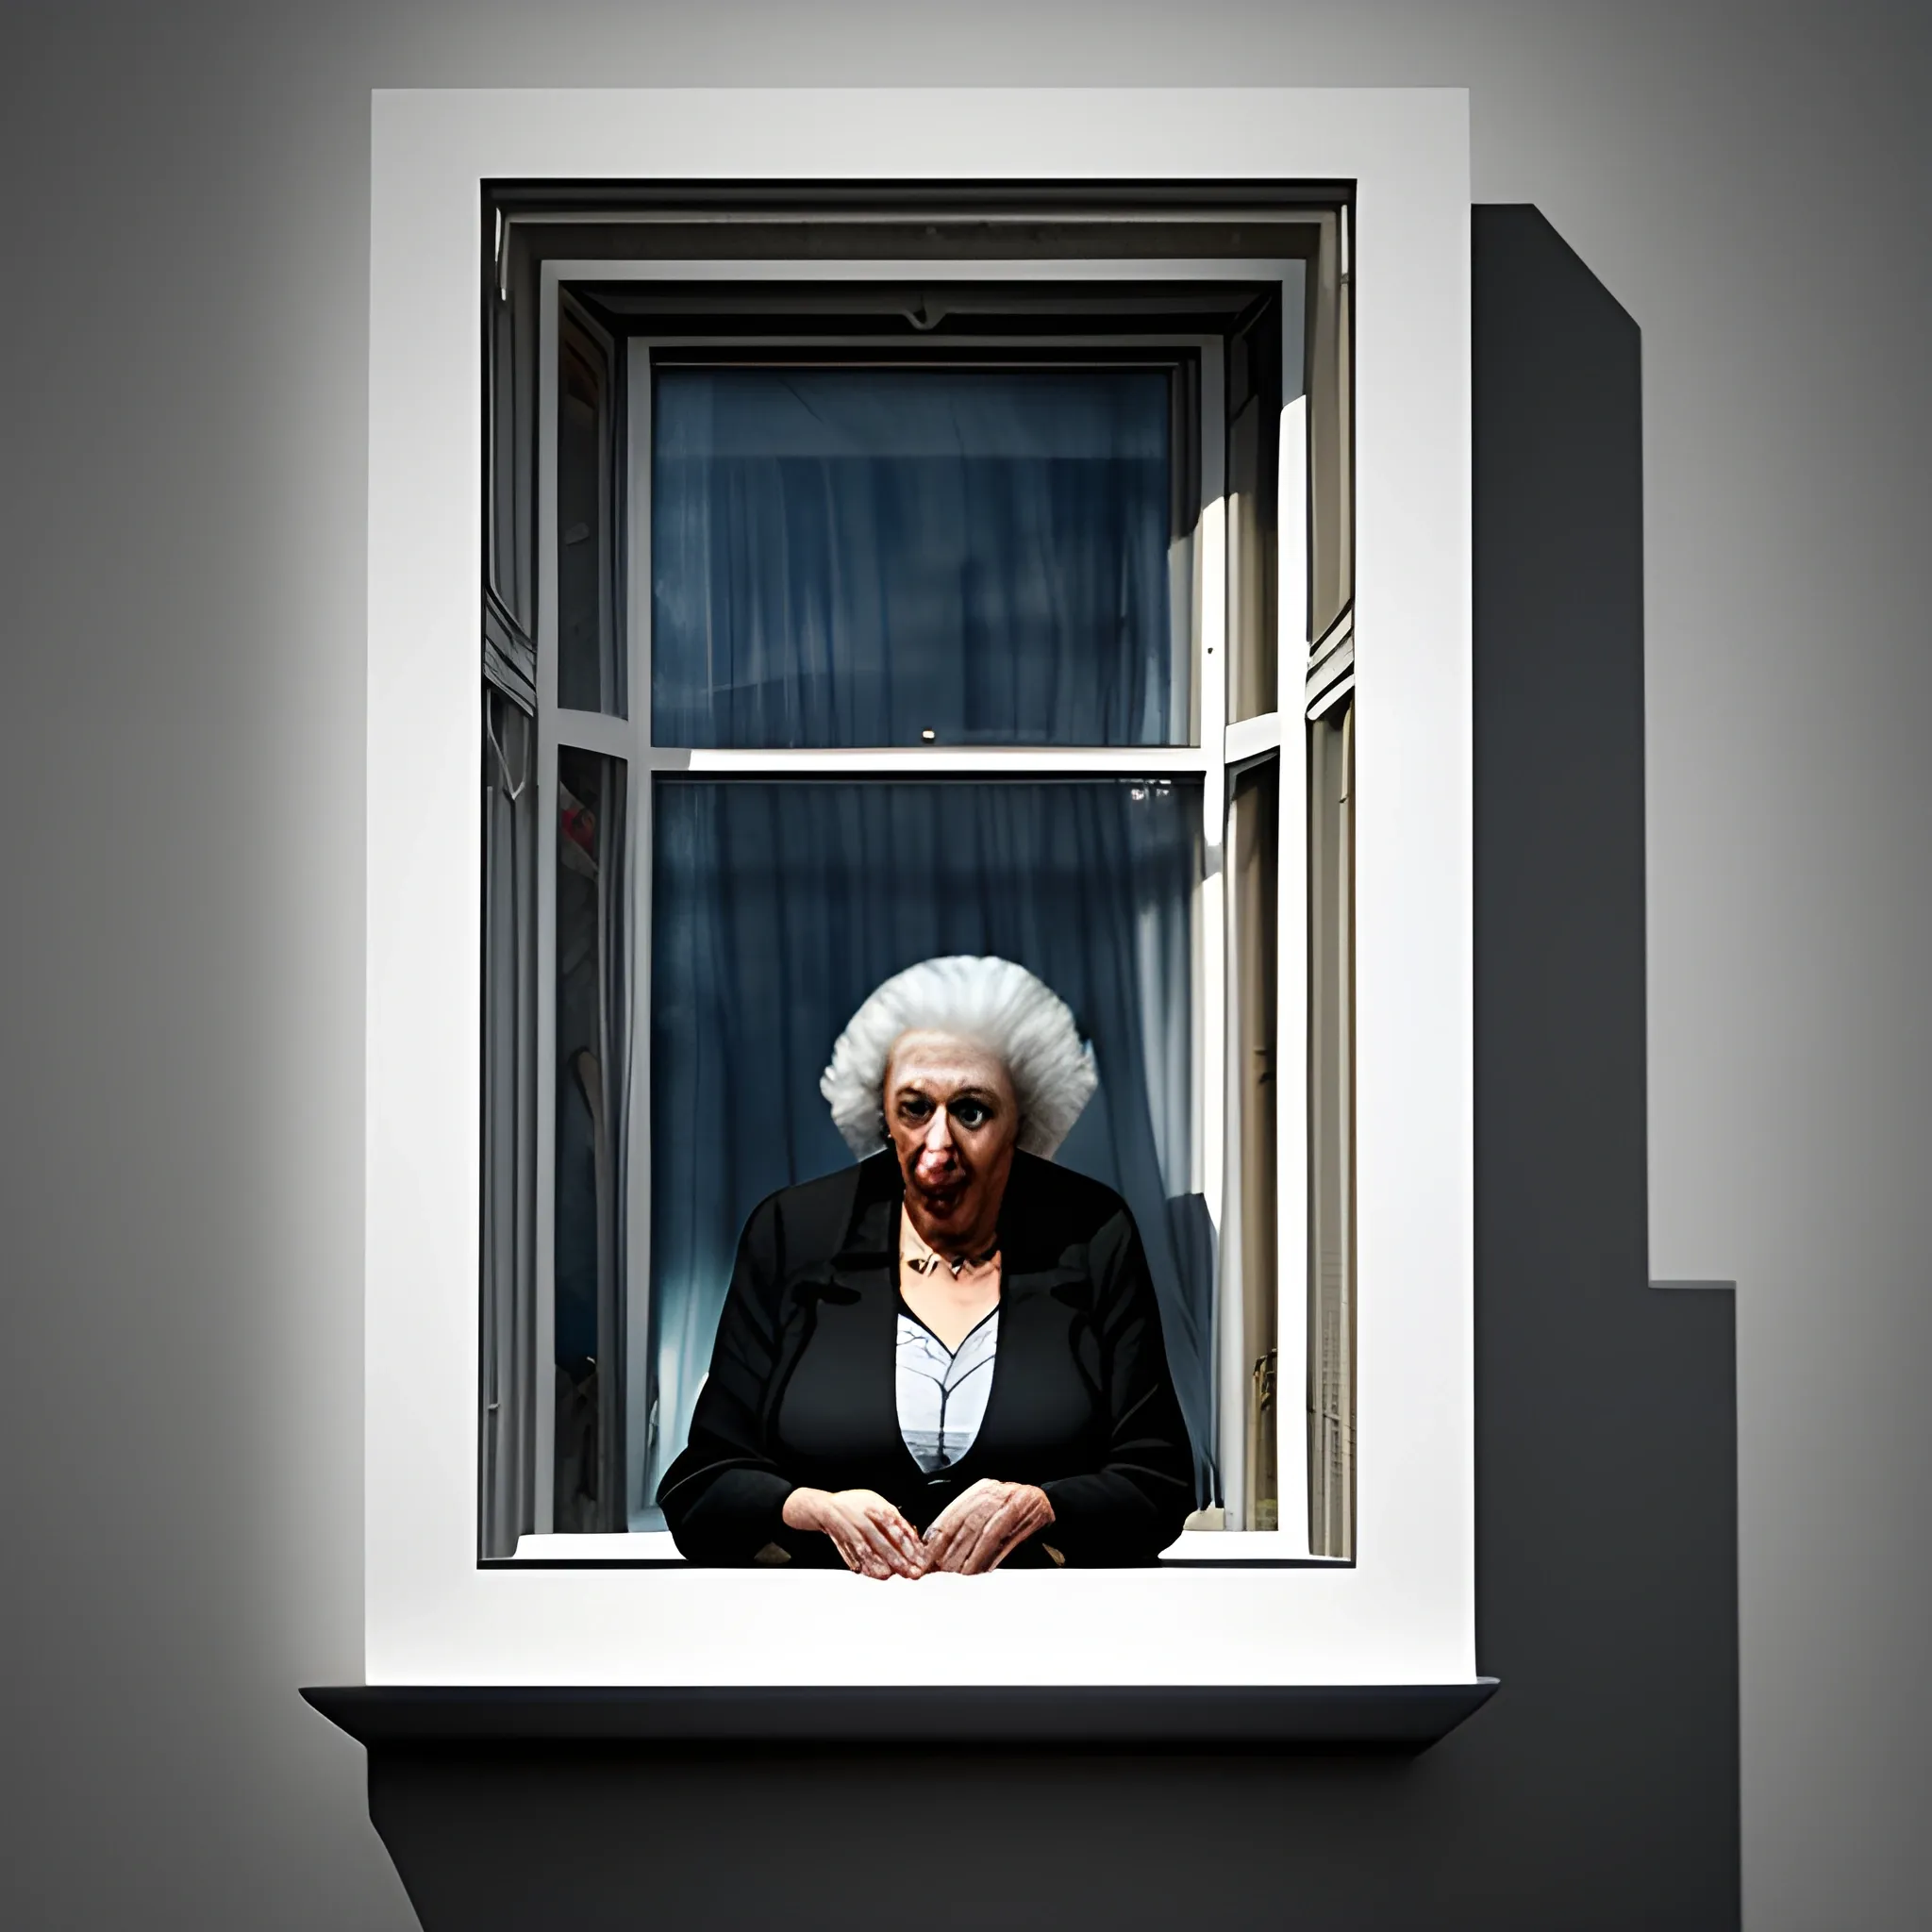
x=994, y=1003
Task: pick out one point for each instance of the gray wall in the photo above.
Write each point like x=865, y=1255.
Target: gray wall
x=184, y=341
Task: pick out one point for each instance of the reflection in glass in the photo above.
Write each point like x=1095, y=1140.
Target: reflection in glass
x=778, y=907
x=1253, y=441
x=1331, y=1133
x=591, y=1065
x=1252, y=866
x=590, y=655
x=894, y=556
x=510, y=1357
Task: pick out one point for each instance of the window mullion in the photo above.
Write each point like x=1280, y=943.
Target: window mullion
x=611, y=738
x=963, y=761
x=639, y=1383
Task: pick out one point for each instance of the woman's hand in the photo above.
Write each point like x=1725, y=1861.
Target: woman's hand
x=869, y=1534
x=982, y=1526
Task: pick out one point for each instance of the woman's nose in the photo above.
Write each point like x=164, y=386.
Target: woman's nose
x=938, y=1134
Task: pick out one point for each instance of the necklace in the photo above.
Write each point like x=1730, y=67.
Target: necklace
x=922, y=1258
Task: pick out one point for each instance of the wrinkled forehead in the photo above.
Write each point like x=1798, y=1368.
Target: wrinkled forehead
x=945, y=1062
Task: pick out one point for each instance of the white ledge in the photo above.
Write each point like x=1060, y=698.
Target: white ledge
x=656, y=1546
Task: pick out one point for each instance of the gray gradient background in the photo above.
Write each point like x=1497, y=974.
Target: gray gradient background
x=184, y=349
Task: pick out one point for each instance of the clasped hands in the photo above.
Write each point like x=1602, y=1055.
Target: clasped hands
x=975, y=1532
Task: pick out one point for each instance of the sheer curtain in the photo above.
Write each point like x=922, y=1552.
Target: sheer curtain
x=778, y=906
x=876, y=556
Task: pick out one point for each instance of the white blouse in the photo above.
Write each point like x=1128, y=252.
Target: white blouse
x=942, y=1391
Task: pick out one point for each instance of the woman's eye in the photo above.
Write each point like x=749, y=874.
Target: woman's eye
x=971, y=1113
x=915, y=1107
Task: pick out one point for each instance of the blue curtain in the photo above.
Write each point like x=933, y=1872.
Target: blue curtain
x=778, y=906
x=864, y=557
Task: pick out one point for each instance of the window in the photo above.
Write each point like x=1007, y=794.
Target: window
x=936, y=587
x=708, y=192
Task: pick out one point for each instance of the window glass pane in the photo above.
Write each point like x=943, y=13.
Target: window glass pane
x=1253, y=446
x=590, y=1221
x=891, y=557
x=778, y=907
x=589, y=654
x=513, y=1354
x=1331, y=1133
x=1250, y=1291
x=1258, y=382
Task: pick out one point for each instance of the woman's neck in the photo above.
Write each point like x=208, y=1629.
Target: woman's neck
x=957, y=1247
x=950, y=1301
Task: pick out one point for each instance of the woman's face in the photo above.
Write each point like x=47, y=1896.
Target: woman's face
x=953, y=1120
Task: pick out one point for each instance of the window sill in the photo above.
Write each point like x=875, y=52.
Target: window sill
x=648, y=1549
x=1397, y=1718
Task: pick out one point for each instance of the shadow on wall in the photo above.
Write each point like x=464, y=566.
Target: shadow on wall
x=1600, y=1787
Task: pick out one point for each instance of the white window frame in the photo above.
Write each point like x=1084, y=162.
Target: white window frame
x=1403, y=1610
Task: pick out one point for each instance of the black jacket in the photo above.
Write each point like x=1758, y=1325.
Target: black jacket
x=802, y=1388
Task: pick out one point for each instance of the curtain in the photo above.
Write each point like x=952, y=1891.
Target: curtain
x=881, y=557
x=777, y=907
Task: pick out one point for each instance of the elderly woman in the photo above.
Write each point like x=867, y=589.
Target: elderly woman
x=949, y=1355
